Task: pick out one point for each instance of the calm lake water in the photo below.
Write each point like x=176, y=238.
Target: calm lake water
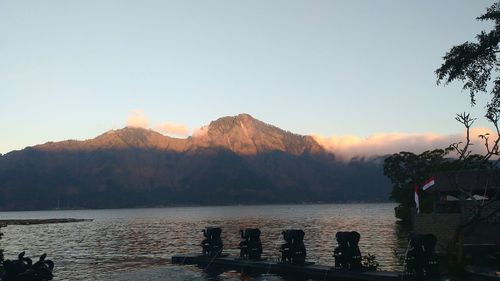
x=136, y=244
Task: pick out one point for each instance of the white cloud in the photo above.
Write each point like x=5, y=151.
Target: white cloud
x=137, y=119
x=348, y=147
x=200, y=132
x=172, y=129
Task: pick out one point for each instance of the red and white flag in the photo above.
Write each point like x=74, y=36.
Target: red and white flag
x=430, y=182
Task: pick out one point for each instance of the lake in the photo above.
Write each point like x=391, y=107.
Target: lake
x=137, y=244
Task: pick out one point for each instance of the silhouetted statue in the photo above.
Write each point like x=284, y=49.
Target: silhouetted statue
x=293, y=250
x=285, y=248
x=415, y=258
x=243, y=245
x=347, y=254
x=431, y=259
x=421, y=258
x=22, y=269
x=340, y=252
x=16, y=267
x=250, y=246
x=212, y=244
x=354, y=252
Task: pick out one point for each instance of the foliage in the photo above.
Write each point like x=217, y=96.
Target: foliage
x=369, y=261
x=475, y=64
x=112, y=178
x=407, y=170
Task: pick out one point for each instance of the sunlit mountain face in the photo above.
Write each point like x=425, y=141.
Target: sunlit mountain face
x=233, y=160
x=241, y=134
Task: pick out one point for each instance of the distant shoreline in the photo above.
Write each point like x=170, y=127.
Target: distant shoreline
x=5, y=222
x=201, y=205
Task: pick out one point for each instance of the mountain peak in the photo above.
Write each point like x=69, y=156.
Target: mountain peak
x=244, y=134
x=226, y=124
x=128, y=137
x=245, y=117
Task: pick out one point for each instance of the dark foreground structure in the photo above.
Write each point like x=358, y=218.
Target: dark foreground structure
x=463, y=211
x=263, y=266
x=23, y=269
x=349, y=263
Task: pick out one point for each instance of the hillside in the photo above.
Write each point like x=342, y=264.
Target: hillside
x=233, y=160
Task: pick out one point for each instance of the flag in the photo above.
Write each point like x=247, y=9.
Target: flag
x=430, y=182
x=417, y=204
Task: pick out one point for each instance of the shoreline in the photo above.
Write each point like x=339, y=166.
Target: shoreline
x=6, y=222
x=206, y=205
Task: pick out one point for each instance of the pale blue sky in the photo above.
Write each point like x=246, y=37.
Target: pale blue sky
x=74, y=69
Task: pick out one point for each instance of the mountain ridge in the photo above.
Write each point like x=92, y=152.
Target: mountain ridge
x=241, y=134
x=233, y=160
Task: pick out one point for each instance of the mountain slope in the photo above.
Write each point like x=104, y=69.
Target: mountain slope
x=243, y=134
x=235, y=159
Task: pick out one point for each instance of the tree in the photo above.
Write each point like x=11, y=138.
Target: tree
x=476, y=63
x=406, y=171
x=477, y=66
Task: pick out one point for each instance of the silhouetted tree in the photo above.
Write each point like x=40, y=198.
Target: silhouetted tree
x=477, y=66
x=476, y=63
x=407, y=170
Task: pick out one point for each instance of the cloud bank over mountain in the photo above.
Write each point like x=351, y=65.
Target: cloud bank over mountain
x=138, y=119
x=170, y=128
x=344, y=147
x=349, y=147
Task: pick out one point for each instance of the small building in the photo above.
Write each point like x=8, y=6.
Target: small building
x=465, y=208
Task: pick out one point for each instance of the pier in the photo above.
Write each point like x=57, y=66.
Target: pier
x=309, y=270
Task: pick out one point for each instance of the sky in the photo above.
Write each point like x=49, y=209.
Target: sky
x=352, y=70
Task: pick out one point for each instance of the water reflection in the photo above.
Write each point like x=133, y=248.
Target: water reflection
x=143, y=240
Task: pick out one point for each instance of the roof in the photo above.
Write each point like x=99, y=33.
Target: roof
x=471, y=180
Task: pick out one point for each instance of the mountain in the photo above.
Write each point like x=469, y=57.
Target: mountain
x=241, y=134
x=233, y=160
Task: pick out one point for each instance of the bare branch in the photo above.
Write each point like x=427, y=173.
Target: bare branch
x=465, y=119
